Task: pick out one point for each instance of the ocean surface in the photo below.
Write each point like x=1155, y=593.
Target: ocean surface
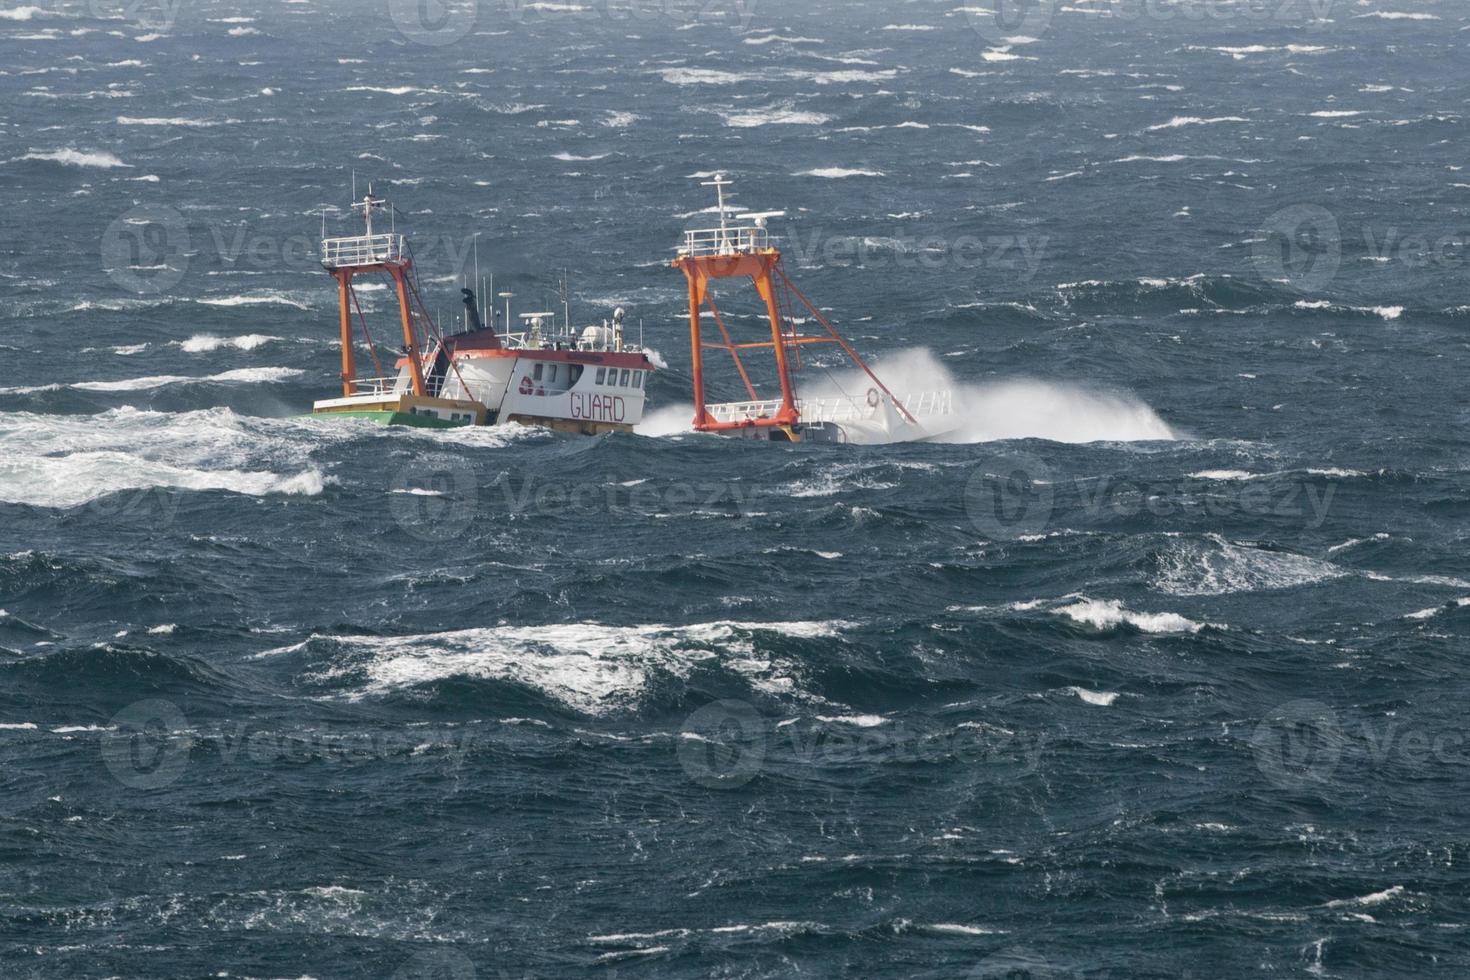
x=1155, y=666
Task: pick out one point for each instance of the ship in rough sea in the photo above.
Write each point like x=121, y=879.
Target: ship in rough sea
x=589, y=381
x=742, y=248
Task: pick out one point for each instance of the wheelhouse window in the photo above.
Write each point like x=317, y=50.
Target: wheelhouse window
x=637, y=379
x=601, y=375
x=537, y=373
x=624, y=383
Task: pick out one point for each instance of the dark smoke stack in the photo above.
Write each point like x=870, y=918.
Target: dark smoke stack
x=474, y=309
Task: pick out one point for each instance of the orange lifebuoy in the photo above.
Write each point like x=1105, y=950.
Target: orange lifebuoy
x=526, y=385
x=873, y=398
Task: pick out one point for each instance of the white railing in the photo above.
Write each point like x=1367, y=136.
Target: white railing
x=725, y=241
x=930, y=403
x=375, y=387
x=743, y=411
x=835, y=409
x=363, y=250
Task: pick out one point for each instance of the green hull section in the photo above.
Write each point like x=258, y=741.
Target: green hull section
x=394, y=418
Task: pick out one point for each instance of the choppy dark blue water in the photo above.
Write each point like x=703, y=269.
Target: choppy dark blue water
x=1157, y=670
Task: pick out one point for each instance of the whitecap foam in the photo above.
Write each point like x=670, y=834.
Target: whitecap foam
x=79, y=478
x=258, y=375
x=1375, y=898
x=77, y=158
x=170, y=121
x=1433, y=611
x=1109, y=614
x=267, y=298
x=1386, y=312
x=1231, y=475
x=203, y=343
x=704, y=76
x=1213, y=565
x=773, y=38
x=775, y=116
x=837, y=173
x=68, y=460
x=1102, y=699
x=856, y=721
x=960, y=929
x=591, y=668
x=1179, y=121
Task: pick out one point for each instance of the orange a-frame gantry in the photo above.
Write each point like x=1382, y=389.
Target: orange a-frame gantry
x=740, y=251
x=347, y=258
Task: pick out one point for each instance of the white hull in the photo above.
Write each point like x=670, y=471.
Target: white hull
x=516, y=386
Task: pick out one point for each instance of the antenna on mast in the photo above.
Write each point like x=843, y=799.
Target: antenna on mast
x=566, y=303
x=719, y=184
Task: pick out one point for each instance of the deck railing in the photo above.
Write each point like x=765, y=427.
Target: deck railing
x=363, y=250
x=834, y=409
x=377, y=387
x=725, y=241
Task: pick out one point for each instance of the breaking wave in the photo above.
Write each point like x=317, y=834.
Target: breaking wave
x=590, y=668
x=66, y=460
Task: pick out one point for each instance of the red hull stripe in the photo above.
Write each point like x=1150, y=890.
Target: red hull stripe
x=609, y=359
x=637, y=362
